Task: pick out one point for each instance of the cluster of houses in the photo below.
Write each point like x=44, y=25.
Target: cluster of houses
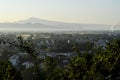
x=63, y=59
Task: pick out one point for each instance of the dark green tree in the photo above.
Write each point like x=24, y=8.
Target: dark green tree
x=8, y=72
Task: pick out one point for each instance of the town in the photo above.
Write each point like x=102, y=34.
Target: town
x=59, y=46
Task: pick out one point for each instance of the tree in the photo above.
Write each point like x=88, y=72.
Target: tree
x=8, y=72
x=113, y=48
x=29, y=47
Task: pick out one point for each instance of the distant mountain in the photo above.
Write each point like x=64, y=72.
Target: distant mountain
x=34, y=20
x=36, y=24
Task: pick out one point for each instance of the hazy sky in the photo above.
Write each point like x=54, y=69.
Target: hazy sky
x=79, y=11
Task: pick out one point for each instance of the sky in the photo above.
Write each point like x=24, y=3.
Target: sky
x=74, y=11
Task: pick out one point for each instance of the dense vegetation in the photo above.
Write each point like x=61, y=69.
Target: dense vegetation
x=8, y=72
x=100, y=64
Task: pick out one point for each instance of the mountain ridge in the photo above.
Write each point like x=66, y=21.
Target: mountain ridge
x=38, y=20
x=38, y=24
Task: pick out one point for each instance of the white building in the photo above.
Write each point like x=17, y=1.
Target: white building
x=14, y=60
x=27, y=64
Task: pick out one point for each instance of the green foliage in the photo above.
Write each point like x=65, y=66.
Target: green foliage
x=8, y=72
x=101, y=65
